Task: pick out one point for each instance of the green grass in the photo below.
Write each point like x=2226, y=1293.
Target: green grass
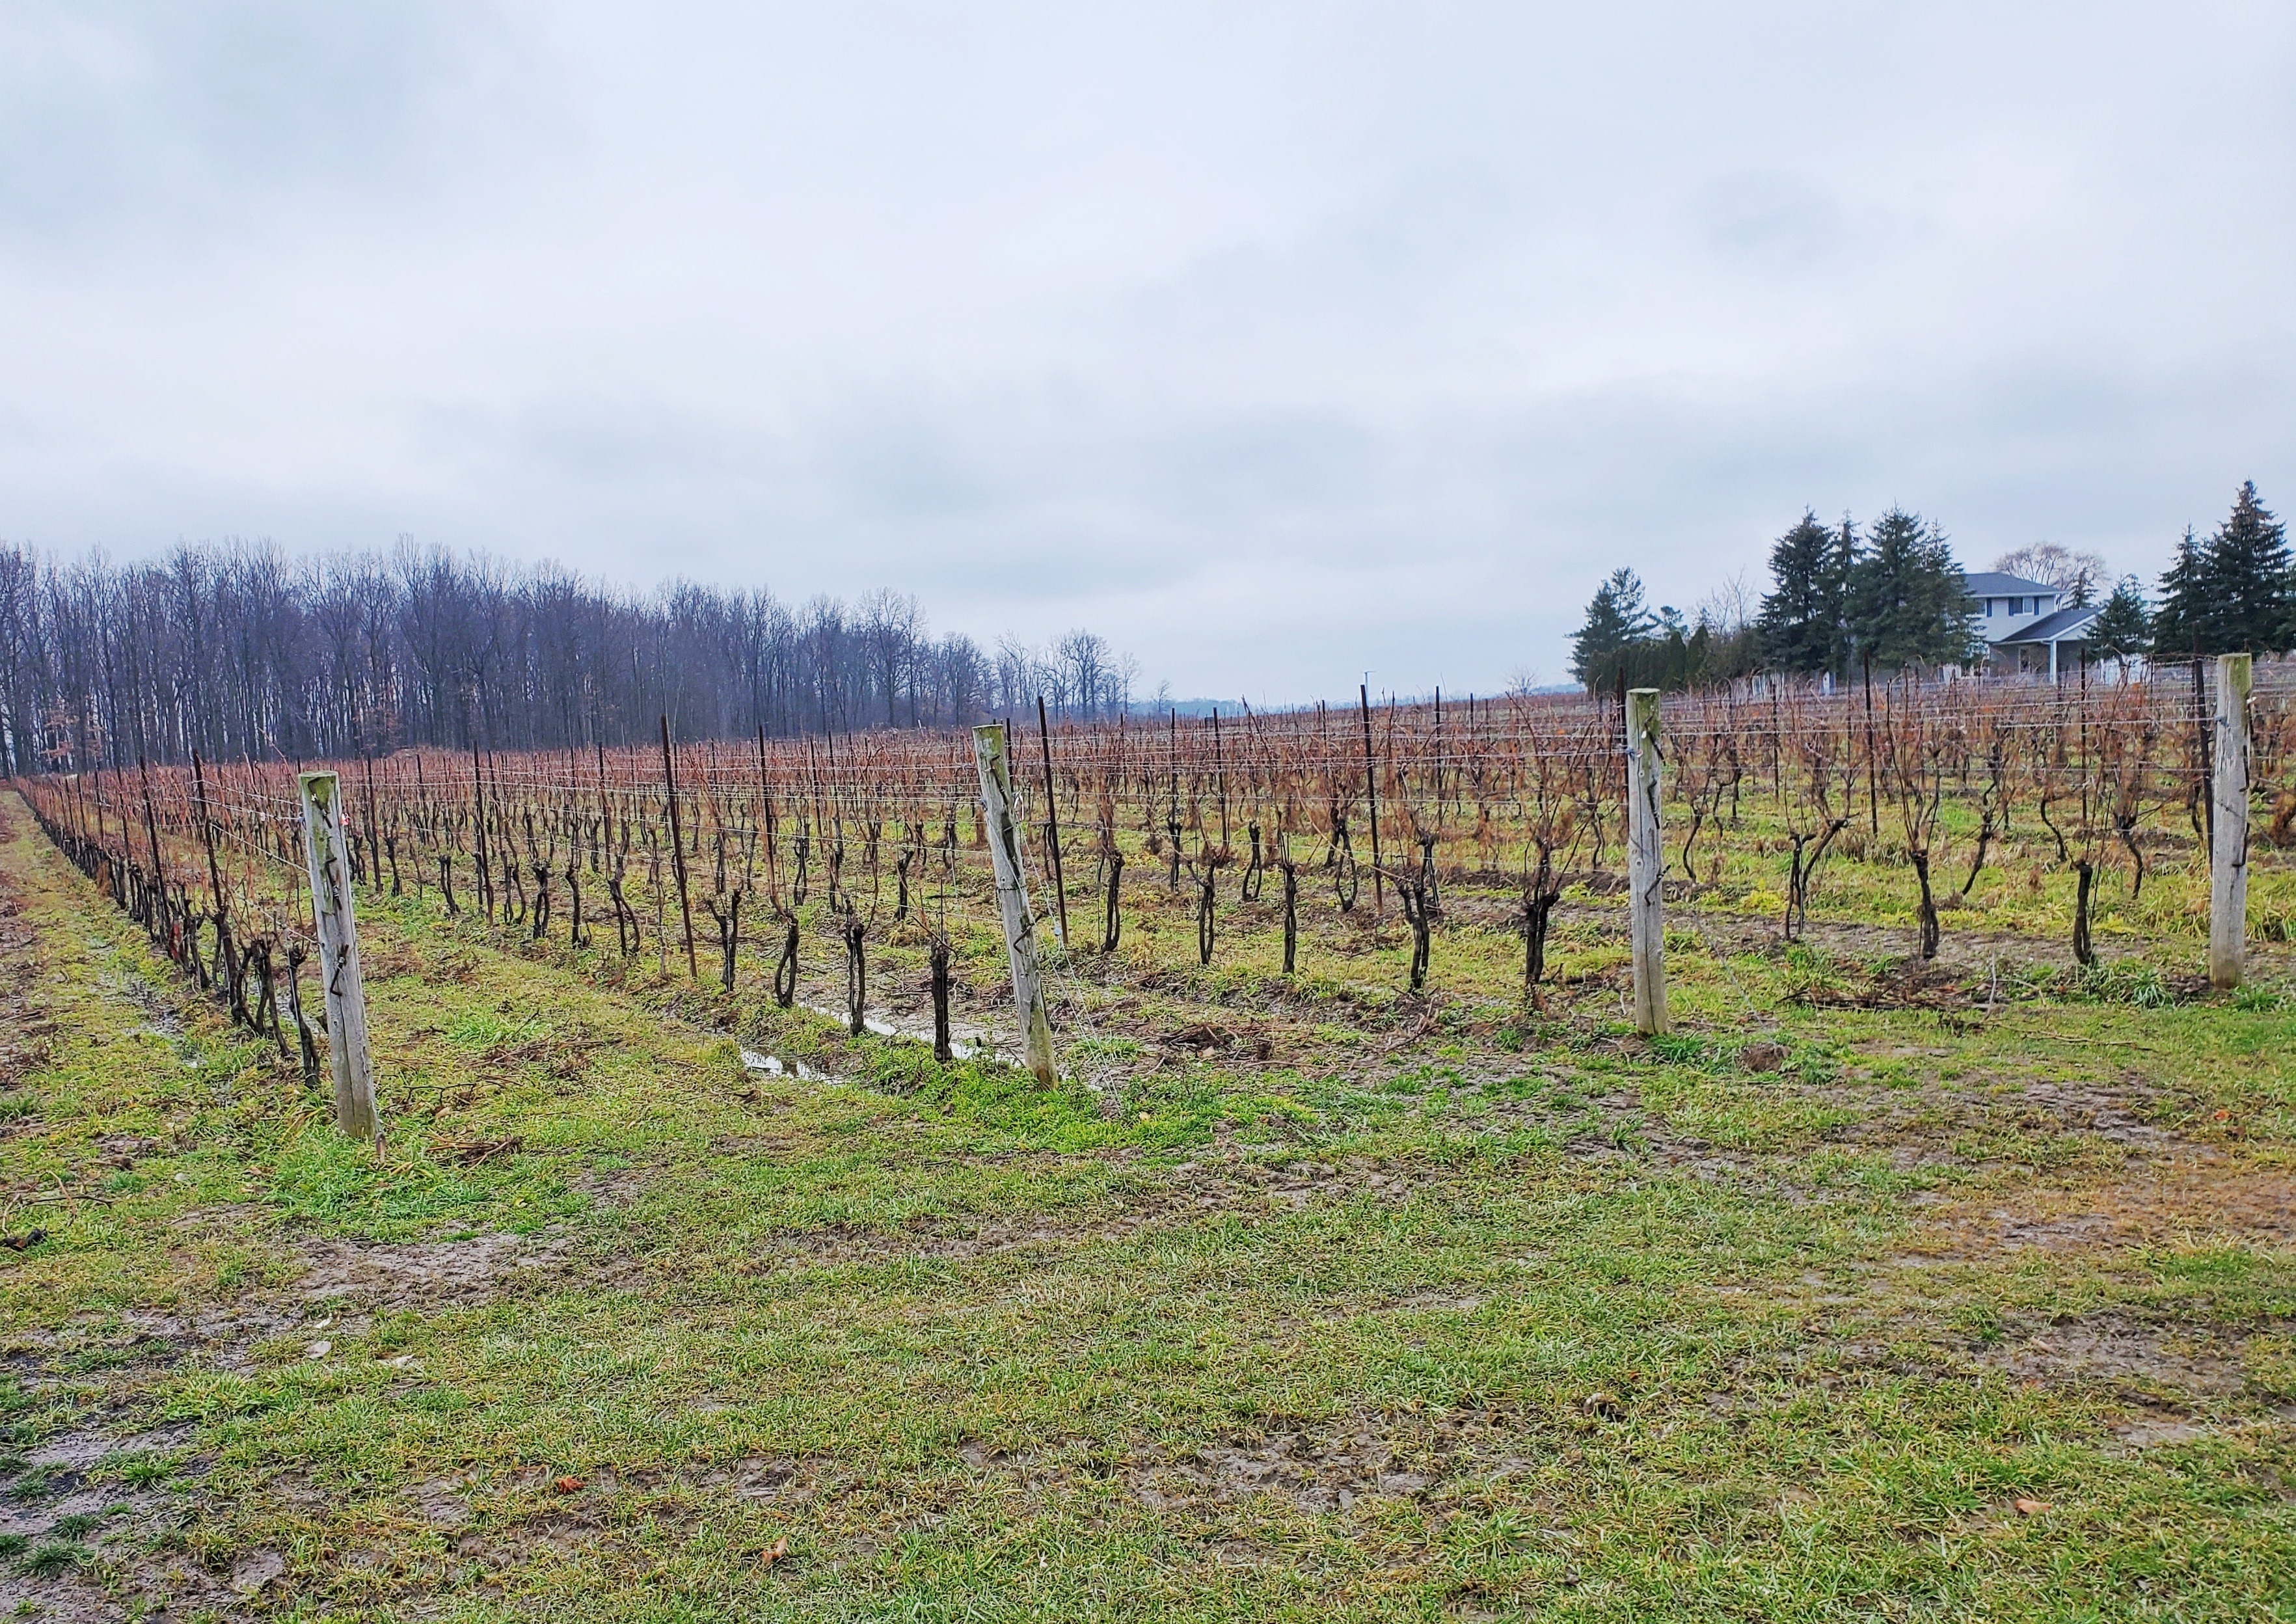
x=53, y=1557
x=1432, y=1309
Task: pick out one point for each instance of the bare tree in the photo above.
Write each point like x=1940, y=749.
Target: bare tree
x=1085, y=667
x=235, y=650
x=2078, y=575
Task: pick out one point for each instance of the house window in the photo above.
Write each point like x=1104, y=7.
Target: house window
x=1993, y=606
x=2016, y=606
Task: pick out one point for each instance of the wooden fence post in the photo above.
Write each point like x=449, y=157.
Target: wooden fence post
x=1645, y=861
x=1371, y=797
x=2229, y=843
x=990, y=755
x=329, y=859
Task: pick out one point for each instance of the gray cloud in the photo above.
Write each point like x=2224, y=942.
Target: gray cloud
x=1278, y=343
x=1777, y=220
x=131, y=121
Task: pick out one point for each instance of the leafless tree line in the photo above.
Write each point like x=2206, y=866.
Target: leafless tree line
x=238, y=650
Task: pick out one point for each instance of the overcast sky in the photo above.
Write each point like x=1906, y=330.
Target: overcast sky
x=1275, y=342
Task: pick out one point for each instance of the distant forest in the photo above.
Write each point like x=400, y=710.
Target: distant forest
x=237, y=650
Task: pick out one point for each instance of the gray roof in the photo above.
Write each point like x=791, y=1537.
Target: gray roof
x=1992, y=583
x=2064, y=626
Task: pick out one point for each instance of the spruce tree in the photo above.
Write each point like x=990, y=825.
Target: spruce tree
x=1800, y=623
x=1908, y=601
x=2252, y=578
x=2185, y=624
x=2122, y=629
x=1615, y=618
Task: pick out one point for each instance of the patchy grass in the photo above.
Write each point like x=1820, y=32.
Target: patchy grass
x=1877, y=1291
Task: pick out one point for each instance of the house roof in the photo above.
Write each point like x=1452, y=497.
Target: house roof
x=2063, y=625
x=1992, y=583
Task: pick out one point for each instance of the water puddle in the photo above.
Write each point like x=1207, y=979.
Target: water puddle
x=964, y=1047
x=975, y=1042
x=773, y=1065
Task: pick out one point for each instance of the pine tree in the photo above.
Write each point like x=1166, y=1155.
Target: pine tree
x=2186, y=622
x=1800, y=622
x=1908, y=601
x=2252, y=578
x=2122, y=629
x=1615, y=618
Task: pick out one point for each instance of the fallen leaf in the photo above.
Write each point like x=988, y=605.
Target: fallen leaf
x=568, y=1485
x=1604, y=1405
x=774, y=1552
x=2030, y=1508
x=318, y=1351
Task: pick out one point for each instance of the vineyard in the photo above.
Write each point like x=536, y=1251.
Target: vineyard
x=1366, y=1250
x=1334, y=845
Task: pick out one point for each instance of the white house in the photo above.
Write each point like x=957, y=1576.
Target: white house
x=2025, y=625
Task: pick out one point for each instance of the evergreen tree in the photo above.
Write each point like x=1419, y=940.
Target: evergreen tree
x=1800, y=622
x=2186, y=621
x=2234, y=592
x=2122, y=629
x=2252, y=576
x=1908, y=601
x=1615, y=618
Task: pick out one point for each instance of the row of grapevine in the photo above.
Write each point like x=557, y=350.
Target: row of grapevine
x=726, y=855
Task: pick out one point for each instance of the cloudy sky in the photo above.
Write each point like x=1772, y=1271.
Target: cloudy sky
x=1277, y=342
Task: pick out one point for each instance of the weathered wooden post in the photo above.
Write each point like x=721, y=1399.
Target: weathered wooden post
x=1371, y=798
x=1645, y=861
x=989, y=753
x=338, y=957
x=2228, y=846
